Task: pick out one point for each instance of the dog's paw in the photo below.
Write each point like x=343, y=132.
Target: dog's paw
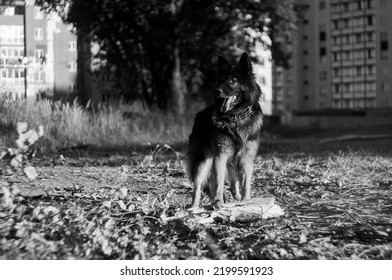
x=217, y=205
x=194, y=206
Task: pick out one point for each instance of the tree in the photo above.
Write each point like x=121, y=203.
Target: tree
x=160, y=46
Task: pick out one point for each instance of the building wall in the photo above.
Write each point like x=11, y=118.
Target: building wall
x=341, y=57
x=36, y=50
x=263, y=75
x=66, y=62
x=48, y=59
x=384, y=56
x=11, y=49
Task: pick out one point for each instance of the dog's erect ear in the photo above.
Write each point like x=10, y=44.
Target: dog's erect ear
x=223, y=67
x=244, y=65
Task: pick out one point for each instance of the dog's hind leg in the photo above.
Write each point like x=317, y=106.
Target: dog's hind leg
x=202, y=172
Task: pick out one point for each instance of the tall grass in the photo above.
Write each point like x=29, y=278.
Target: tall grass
x=104, y=125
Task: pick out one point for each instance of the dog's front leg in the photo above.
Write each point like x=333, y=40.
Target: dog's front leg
x=220, y=163
x=202, y=173
x=247, y=167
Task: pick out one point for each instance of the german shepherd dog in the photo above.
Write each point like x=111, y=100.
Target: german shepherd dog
x=225, y=136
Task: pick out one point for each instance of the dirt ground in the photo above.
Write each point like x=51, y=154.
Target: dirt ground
x=93, y=203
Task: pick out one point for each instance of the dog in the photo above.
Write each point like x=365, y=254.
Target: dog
x=226, y=135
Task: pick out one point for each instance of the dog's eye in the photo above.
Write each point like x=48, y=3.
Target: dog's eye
x=233, y=80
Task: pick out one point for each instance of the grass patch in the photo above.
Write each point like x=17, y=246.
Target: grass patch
x=105, y=125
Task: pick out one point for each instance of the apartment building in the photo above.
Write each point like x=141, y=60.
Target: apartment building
x=263, y=73
x=38, y=53
x=341, y=58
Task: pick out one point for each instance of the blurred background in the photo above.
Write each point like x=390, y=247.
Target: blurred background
x=124, y=72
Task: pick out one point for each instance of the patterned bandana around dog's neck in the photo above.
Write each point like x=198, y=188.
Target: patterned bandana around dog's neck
x=234, y=119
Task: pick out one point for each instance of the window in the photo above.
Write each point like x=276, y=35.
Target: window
x=322, y=33
x=72, y=46
x=263, y=80
x=39, y=53
x=370, y=53
x=38, y=33
x=39, y=76
x=323, y=36
x=358, y=37
x=289, y=77
x=11, y=34
x=384, y=45
x=323, y=75
x=9, y=11
x=72, y=66
x=359, y=5
x=384, y=87
x=38, y=13
x=73, y=87
x=279, y=77
x=12, y=52
x=323, y=91
x=323, y=54
x=322, y=5
x=370, y=20
x=337, y=88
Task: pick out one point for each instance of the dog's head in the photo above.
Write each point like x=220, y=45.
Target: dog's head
x=237, y=88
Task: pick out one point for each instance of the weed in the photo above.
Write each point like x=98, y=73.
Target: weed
x=103, y=125
x=16, y=159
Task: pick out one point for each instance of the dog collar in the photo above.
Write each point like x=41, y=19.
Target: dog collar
x=234, y=119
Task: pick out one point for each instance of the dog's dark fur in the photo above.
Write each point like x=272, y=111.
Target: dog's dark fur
x=225, y=135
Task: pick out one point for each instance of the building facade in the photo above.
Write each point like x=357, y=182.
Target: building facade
x=341, y=58
x=38, y=53
x=263, y=74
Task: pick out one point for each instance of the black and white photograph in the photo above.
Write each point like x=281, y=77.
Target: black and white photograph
x=196, y=130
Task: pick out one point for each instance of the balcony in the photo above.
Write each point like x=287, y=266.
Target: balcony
x=24, y=62
x=9, y=62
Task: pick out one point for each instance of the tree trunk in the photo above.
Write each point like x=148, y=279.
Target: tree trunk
x=175, y=84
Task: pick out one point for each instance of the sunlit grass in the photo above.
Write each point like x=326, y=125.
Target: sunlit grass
x=71, y=124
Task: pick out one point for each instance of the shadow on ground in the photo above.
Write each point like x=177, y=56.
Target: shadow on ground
x=279, y=142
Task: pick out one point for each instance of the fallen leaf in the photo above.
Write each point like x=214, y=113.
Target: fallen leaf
x=16, y=161
x=7, y=198
x=303, y=238
x=30, y=172
x=107, y=204
x=122, y=205
x=106, y=249
x=21, y=127
x=123, y=192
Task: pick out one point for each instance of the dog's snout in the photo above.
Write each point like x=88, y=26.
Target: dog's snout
x=218, y=92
